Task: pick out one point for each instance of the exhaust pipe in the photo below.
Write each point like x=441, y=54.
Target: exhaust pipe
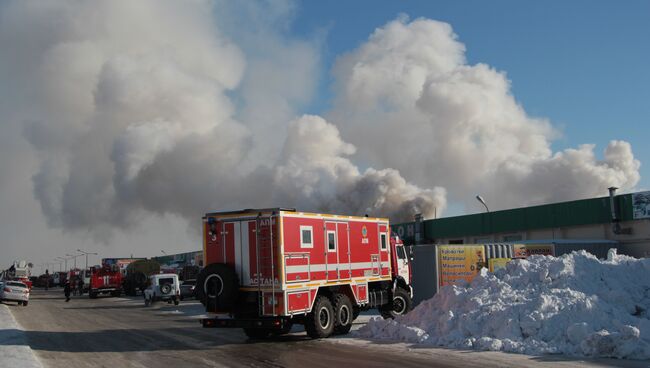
x=612, y=192
x=616, y=226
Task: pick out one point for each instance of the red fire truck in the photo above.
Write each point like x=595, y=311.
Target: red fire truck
x=106, y=279
x=267, y=269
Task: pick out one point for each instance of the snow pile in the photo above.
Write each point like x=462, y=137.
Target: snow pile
x=575, y=304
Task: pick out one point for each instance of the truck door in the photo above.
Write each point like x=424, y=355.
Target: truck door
x=384, y=250
x=331, y=251
x=402, y=263
x=229, y=243
x=214, y=250
x=345, y=267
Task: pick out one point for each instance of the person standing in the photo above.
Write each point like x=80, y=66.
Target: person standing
x=80, y=284
x=66, y=290
x=47, y=279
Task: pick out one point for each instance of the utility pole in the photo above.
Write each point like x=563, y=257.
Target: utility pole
x=86, y=253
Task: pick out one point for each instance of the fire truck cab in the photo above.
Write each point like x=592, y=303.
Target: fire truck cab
x=106, y=279
x=267, y=269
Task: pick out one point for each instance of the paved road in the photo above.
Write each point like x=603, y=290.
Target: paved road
x=121, y=332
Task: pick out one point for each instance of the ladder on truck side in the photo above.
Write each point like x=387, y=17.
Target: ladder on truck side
x=265, y=261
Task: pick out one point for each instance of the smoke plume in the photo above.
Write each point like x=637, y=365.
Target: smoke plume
x=149, y=107
x=408, y=99
x=134, y=108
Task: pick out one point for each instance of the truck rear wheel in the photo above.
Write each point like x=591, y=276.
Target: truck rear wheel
x=320, y=321
x=344, y=314
x=401, y=304
x=92, y=295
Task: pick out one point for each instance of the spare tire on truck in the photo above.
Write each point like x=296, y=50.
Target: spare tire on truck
x=217, y=286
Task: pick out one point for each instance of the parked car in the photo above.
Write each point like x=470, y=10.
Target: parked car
x=165, y=287
x=187, y=289
x=14, y=291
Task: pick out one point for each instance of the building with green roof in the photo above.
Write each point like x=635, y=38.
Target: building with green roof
x=622, y=218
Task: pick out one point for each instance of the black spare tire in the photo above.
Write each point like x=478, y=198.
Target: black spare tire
x=217, y=286
x=166, y=288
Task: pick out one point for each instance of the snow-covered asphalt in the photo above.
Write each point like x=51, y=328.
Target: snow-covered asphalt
x=121, y=332
x=14, y=351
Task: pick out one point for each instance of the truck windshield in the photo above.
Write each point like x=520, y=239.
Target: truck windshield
x=401, y=254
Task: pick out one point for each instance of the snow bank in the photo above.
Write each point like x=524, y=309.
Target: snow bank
x=575, y=304
x=14, y=351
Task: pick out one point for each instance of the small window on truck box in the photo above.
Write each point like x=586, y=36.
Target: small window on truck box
x=306, y=238
x=383, y=241
x=331, y=241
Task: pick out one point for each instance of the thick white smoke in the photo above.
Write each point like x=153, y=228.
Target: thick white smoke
x=408, y=99
x=140, y=107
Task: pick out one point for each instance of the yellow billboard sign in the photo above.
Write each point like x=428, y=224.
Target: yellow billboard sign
x=459, y=262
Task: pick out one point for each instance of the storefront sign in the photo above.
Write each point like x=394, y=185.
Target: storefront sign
x=641, y=205
x=459, y=262
x=527, y=250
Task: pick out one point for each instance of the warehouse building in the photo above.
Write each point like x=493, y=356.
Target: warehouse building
x=623, y=220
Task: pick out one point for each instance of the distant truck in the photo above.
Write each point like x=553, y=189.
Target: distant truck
x=20, y=271
x=137, y=275
x=267, y=269
x=106, y=279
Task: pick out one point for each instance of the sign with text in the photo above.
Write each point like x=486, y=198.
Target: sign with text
x=641, y=205
x=527, y=250
x=459, y=262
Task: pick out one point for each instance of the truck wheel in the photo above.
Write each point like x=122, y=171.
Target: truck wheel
x=344, y=314
x=319, y=323
x=92, y=295
x=401, y=304
x=257, y=333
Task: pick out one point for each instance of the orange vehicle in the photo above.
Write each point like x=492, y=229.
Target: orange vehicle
x=267, y=269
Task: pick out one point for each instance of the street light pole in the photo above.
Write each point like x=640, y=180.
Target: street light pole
x=480, y=199
x=75, y=260
x=66, y=263
x=86, y=253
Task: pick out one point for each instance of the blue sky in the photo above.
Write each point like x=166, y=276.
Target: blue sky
x=581, y=64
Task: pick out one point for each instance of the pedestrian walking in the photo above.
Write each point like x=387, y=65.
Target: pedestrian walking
x=80, y=285
x=66, y=290
x=47, y=279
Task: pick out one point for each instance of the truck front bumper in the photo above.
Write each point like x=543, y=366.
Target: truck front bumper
x=267, y=322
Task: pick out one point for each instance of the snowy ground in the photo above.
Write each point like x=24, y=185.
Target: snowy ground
x=14, y=351
x=575, y=305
